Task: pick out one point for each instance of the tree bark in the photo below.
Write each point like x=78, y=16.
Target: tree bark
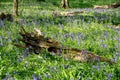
x=65, y=3
x=15, y=7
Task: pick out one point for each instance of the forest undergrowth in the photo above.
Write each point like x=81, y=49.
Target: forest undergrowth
x=94, y=31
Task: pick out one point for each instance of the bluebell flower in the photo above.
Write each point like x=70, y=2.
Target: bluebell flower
x=35, y=77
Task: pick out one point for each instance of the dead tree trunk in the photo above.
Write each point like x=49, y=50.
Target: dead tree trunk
x=37, y=43
x=15, y=7
x=65, y=4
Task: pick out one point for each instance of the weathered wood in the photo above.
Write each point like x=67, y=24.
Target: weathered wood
x=79, y=55
x=115, y=5
x=55, y=13
x=7, y=17
x=37, y=43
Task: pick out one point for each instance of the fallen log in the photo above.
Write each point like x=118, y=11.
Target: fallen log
x=56, y=13
x=36, y=42
x=115, y=5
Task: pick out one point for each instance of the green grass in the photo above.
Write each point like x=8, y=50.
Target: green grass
x=92, y=31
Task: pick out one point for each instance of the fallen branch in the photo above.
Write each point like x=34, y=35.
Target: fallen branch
x=36, y=42
x=115, y=5
x=55, y=13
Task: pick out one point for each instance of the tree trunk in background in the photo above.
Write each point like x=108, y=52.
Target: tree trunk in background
x=65, y=4
x=15, y=7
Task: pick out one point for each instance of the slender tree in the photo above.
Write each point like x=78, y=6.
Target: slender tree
x=15, y=7
x=65, y=3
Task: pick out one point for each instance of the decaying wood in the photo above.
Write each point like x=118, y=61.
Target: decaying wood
x=36, y=42
x=7, y=17
x=118, y=26
x=55, y=13
x=79, y=55
x=115, y=5
x=100, y=7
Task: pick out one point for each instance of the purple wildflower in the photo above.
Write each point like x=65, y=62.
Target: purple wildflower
x=35, y=77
